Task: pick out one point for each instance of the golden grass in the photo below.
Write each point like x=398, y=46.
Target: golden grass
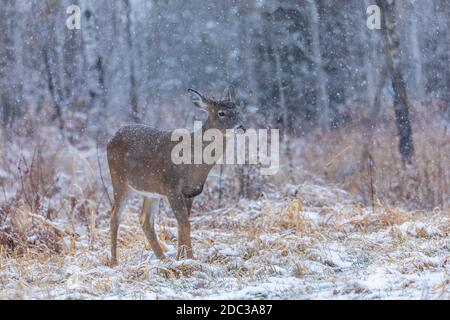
x=280, y=238
x=336, y=156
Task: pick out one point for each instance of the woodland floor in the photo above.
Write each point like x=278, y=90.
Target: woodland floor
x=301, y=242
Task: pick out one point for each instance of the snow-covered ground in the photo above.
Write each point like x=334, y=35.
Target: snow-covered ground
x=301, y=242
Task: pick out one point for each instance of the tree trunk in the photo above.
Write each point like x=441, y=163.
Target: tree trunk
x=393, y=62
x=53, y=86
x=416, y=53
x=324, y=100
x=52, y=63
x=281, y=96
x=133, y=89
x=8, y=56
x=72, y=58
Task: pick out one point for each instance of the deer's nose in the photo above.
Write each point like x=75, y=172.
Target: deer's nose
x=241, y=129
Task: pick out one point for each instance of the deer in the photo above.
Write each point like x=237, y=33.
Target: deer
x=139, y=159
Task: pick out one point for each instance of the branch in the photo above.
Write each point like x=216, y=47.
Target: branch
x=307, y=56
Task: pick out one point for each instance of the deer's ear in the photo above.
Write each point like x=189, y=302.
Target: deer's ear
x=231, y=94
x=197, y=98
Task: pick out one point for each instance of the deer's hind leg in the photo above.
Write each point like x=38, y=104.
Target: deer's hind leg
x=149, y=209
x=120, y=189
x=120, y=201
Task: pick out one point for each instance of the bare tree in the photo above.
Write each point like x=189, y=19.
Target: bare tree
x=133, y=89
x=53, y=87
x=324, y=100
x=95, y=62
x=412, y=10
x=393, y=62
x=8, y=80
x=72, y=61
x=52, y=62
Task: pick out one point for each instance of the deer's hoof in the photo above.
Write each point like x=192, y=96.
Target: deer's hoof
x=112, y=262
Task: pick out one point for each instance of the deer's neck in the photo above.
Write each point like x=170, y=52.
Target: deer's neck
x=209, y=125
x=200, y=132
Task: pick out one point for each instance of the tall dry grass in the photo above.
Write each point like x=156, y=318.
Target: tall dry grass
x=338, y=156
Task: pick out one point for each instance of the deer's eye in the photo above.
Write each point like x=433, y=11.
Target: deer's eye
x=222, y=114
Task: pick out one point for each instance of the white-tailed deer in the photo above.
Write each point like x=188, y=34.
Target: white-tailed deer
x=139, y=158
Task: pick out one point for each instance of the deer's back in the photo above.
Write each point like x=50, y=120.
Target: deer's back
x=142, y=154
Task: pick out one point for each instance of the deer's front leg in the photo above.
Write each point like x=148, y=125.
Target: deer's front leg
x=188, y=202
x=184, y=227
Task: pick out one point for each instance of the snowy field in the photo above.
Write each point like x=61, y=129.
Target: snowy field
x=360, y=94
x=299, y=242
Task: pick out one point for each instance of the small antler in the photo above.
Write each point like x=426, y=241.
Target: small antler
x=195, y=91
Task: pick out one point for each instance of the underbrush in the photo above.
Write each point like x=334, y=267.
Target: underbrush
x=339, y=157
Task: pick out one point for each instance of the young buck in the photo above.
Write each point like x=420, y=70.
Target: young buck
x=139, y=158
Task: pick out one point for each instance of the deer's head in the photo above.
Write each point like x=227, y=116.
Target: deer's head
x=223, y=114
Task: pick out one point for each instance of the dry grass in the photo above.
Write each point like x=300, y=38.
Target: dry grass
x=22, y=232
x=337, y=156
x=278, y=247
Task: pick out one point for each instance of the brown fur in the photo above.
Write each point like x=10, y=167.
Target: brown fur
x=140, y=157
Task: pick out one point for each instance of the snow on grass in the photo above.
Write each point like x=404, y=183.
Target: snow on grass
x=302, y=242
